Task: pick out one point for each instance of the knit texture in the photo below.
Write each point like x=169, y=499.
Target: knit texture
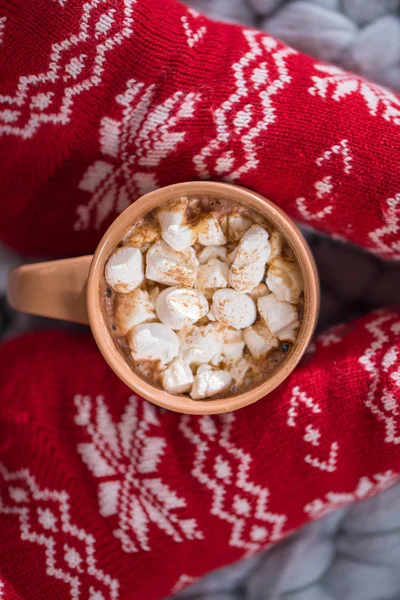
x=353, y=552
x=350, y=33
x=103, y=495
x=117, y=103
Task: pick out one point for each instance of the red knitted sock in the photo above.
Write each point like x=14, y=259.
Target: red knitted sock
x=104, y=496
x=101, y=101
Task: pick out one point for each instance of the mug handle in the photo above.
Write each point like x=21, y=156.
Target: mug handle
x=55, y=289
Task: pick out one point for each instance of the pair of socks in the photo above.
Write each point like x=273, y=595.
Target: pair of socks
x=102, y=495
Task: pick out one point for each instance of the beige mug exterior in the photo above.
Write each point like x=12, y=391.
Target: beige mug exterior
x=70, y=290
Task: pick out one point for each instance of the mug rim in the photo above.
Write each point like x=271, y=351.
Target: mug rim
x=114, y=357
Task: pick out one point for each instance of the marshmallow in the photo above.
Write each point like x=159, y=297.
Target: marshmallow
x=276, y=242
x=170, y=267
x=208, y=382
x=143, y=235
x=172, y=213
x=179, y=307
x=212, y=275
x=278, y=315
x=247, y=277
x=209, y=232
x=238, y=224
x=232, y=346
x=249, y=264
x=124, y=269
x=260, y=290
x=180, y=240
x=153, y=341
x=132, y=309
x=239, y=371
x=259, y=340
x=173, y=233
x=284, y=279
x=210, y=252
x=177, y=378
x=199, y=344
x=289, y=334
x=233, y=308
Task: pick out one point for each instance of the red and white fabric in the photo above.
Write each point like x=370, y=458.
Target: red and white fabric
x=102, y=495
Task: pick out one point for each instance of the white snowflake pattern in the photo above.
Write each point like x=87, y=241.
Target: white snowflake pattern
x=337, y=84
x=192, y=36
x=366, y=487
x=333, y=335
x=126, y=457
x=312, y=434
x=328, y=464
x=132, y=148
x=337, y=158
x=259, y=75
x=75, y=65
x=381, y=361
x=224, y=469
x=386, y=239
x=44, y=517
x=299, y=396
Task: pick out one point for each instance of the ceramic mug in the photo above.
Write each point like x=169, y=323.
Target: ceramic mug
x=69, y=289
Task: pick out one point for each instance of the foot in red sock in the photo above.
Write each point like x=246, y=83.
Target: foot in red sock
x=104, y=493
x=101, y=102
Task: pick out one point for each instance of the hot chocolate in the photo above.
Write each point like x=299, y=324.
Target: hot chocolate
x=203, y=298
